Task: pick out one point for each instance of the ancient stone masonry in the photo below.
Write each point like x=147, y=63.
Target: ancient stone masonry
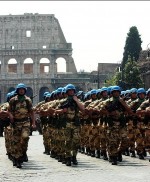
x=34, y=36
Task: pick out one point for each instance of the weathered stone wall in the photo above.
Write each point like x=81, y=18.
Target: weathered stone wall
x=33, y=36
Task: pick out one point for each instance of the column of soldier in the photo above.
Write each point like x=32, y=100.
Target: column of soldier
x=17, y=117
x=104, y=123
x=112, y=123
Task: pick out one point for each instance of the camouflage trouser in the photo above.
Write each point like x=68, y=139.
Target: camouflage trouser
x=94, y=138
x=44, y=130
x=72, y=139
x=140, y=137
x=20, y=138
x=147, y=137
x=87, y=135
x=50, y=130
x=124, y=140
x=46, y=137
x=60, y=142
x=131, y=132
x=103, y=141
x=113, y=140
x=8, y=136
x=53, y=139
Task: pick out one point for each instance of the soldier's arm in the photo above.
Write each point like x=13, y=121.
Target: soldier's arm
x=80, y=105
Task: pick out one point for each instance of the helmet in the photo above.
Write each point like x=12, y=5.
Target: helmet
x=45, y=93
x=53, y=94
x=80, y=93
x=70, y=87
x=98, y=91
x=8, y=96
x=21, y=85
x=93, y=92
x=148, y=91
x=48, y=95
x=133, y=90
x=87, y=95
x=59, y=90
x=64, y=90
x=141, y=90
x=109, y=89
x=115, y=88
x=104, y=89
x=123, y=93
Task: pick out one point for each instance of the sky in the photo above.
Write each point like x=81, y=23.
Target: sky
x=96, y=29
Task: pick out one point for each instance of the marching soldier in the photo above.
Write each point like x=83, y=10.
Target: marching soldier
x=70, y=107
x=116, y=135
x=140, y=131
x=21, y=109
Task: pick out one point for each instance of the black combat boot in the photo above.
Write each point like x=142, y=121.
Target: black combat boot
x=68, y=161
x=79, y=149
x=98, y=154
x=101, y=153
x=141, y=156
x=144, y=153
x=110, y=159
x=114, y=160
x=105, y=155
x=74, y=160
x=53, y=154
x=132, y=153
x=45, y=152
x=92, y=153
x=14, y=161
x=119, y=157
x=63, y=160
x=127, y=152
x=25, y=157
x=18, y=163
x=82, y=150
x=60, y=158
x=88, y=151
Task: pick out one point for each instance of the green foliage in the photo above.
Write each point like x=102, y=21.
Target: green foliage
x=129, y=76
x=132, y=77
x=132, y=45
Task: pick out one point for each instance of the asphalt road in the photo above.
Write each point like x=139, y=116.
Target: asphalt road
x=43, y=168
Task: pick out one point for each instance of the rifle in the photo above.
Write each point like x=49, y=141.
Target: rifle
x=32, y=97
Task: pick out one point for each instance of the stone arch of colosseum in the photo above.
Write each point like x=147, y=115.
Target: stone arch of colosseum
x=32, y=37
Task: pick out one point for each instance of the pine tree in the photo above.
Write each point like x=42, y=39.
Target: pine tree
x=132, y=45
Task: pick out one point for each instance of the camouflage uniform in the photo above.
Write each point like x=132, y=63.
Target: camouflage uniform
x=139, y=130
x=5, y=122
x=146, y=122
x=21, y=128
x=70, y=107
x=116, y=132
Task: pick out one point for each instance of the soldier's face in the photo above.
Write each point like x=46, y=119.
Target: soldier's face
x=70, y=92
x=21, y=91
x=116, y=93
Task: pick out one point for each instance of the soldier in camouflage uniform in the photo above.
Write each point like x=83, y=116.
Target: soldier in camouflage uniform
x=5, y=122
x=94, y=139
x=139, y=125
x=70, y=107
x=114, y=108
x=102, y=125
x=85, y=126
x=21, y=109
x=143, y=113
x=131, y=127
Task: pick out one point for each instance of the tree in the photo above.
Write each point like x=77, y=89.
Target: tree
x=132, y=45
x=132, y=77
